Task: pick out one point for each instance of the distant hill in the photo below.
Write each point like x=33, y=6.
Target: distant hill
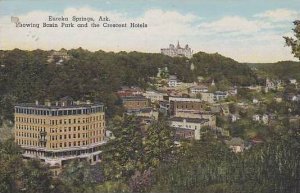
x=223, y=68
x=282, y=70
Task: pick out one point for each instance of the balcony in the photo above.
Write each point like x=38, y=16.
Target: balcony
x=42, y=140
x=43, y=133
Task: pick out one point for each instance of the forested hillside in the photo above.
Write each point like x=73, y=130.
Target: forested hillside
x=221, y=68
x=281, y=70
x=26, y=76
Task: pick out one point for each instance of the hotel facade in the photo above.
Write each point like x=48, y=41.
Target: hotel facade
x=57, y=133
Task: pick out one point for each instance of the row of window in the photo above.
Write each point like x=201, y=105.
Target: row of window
x=58, y=112
x=30, y=128
x=78, y=128
x=75, y=143
x=26, y=142
x=74, y=135
x=56, y=137
x=29, y=135
x=55, y=130
x=78, y=120
x=60, y=121
x=186, y=126
x=30, y=120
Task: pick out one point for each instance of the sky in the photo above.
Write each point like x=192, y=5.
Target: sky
x=245, y=30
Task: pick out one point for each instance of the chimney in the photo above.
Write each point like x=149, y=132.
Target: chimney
x=56, y=103
x=47, y=103
x=184, y=123
x=36, y=102
x=88, y=102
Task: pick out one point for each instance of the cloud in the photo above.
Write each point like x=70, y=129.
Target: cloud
x=279, y=15
x=244, y=39
x=163, y=27
x=231, y=24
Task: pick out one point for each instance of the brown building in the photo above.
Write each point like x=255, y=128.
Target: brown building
x=183, y=133
x=186, y=106
x=135, y=102
x=194, y=124
x=200, y=115
x=57, y=133
x=129, y=91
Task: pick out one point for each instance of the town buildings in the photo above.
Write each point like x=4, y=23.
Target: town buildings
x=220, y=95
x=193, y=124
x=135, y=102
x=126, y=91
x=177, y=51
x=199, y=115
x=173, y=81
x=184, y=103
x=146, y=115
x=176, y=106
x=207, y=97
x=59, y=132
x=59, y=56
x=154, y=96
x=198, y=89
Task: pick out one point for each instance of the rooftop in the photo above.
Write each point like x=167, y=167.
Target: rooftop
x=65, y=102
x=189, y=120
x=134, y=98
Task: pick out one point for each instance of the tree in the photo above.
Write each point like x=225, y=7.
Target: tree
x=294, y=43
x=124, y=154
x=159, y=143
x=211, y=167
x=10, y=166
x=36, y=177
x=80, y=176
x=134, y=153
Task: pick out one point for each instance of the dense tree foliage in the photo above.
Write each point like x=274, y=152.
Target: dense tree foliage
x=134, y=149
x=145, y=160
x=210, y=167
x=294, y=42
x=280, y=70
x=26, y=76
x=221, y=68
x=80, y=176
x=198, y=166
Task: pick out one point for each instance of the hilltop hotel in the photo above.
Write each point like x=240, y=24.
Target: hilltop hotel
x=177, y=51
x=57, y=133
